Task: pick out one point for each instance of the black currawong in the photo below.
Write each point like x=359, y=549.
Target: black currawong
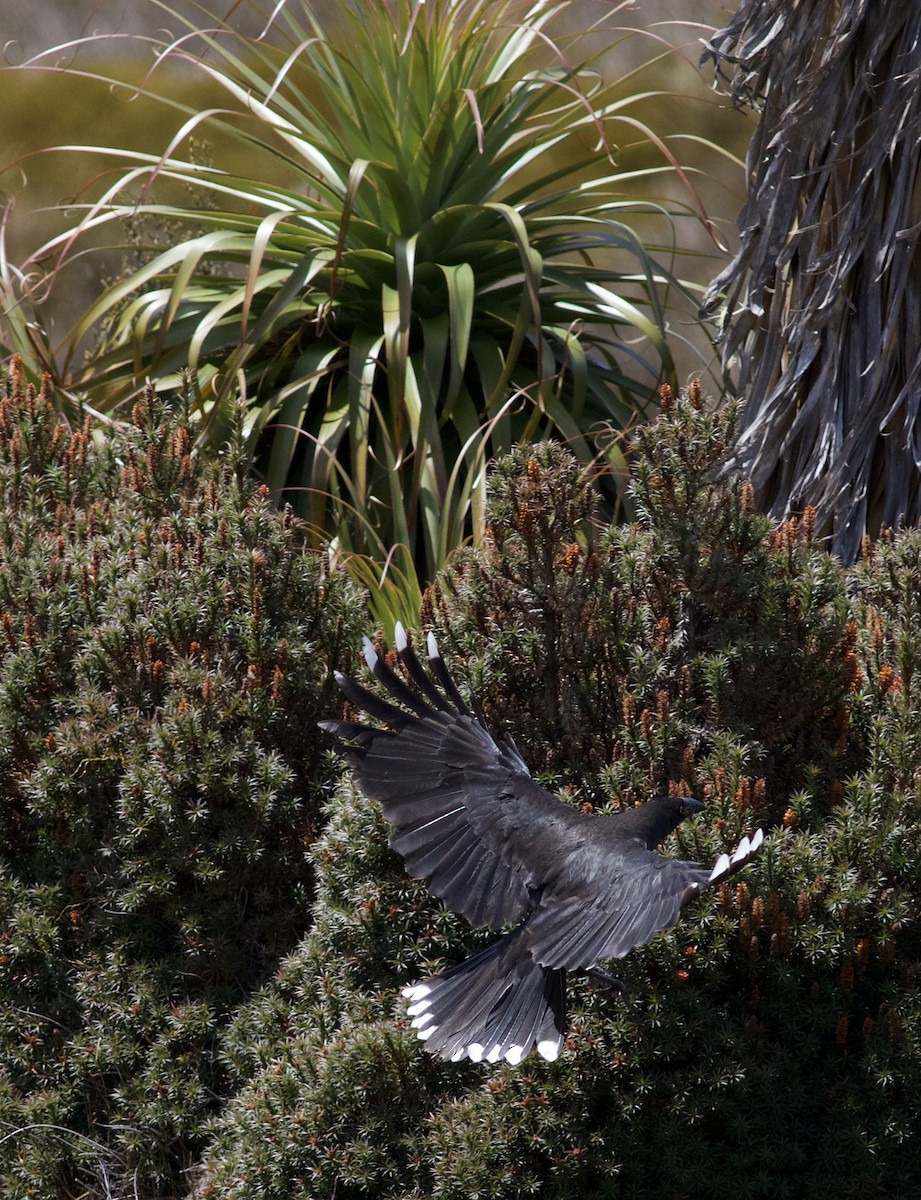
x=496, y=847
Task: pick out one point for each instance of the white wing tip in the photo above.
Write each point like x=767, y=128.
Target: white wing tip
x=400, y=639
x=432, y=646
x=742, y=851
x=514, y=1055
x=415, y=991
x=474, y=1052
x=370, y=654
x=720, y=867
x=745, y=850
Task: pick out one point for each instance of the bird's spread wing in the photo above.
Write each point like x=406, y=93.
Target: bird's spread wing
x=464, y=806
x=643, y=896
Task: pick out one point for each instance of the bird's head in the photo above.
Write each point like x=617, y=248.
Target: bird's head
x=687, y=807
x=656, y=819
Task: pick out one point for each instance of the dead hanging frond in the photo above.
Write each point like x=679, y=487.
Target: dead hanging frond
x=821, y=308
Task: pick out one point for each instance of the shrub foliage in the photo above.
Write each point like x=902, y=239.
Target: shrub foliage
x=770, y=1044
x=165, y=647
x=165, y=651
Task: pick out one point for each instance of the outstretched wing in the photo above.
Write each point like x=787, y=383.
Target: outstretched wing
x=464, y=805
x=643, y=896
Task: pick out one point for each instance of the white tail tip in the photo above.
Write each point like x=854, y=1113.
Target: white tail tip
x=550, y=1050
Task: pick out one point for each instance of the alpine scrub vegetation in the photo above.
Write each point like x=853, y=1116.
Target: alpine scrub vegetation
x=170, y=826
x=770, y=1044
x=165, y=650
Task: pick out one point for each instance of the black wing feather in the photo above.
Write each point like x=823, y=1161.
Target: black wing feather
x=643, y=896
x=444, y=678
x=417, y=673
x=400, y=691
x=488, y=841
x=466, y=812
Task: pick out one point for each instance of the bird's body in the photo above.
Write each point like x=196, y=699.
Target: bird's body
x=496, y=847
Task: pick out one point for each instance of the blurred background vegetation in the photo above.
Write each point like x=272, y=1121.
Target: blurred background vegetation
x=704, y=129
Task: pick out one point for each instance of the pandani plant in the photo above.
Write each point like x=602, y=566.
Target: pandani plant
x=428, y=260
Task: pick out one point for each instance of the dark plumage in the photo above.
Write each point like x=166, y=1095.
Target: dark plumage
x=495, y=847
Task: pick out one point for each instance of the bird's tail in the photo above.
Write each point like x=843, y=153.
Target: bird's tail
x=498, y=1004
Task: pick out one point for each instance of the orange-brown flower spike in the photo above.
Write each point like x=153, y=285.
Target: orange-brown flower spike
x=747, y=500
x=888, y=680
x=719, y=780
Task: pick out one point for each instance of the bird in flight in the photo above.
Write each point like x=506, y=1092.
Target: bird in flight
x=495, y=847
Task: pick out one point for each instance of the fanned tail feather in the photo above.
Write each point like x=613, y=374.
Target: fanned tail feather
x=499, y=1004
